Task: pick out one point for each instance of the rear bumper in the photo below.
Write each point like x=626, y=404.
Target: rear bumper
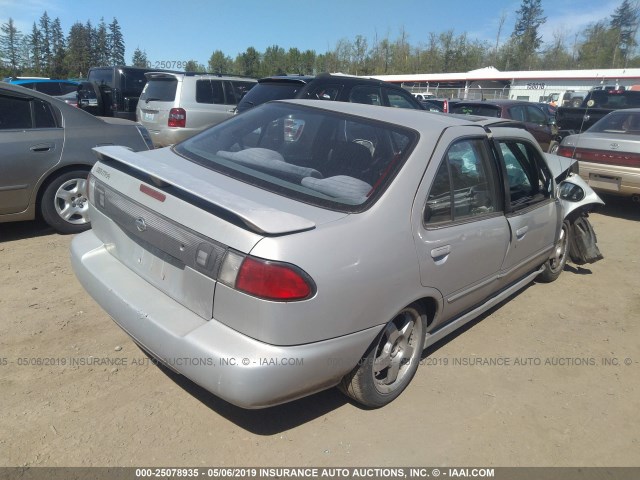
x=611, y=178
x=237, y=368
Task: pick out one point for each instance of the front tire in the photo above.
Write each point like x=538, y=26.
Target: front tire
x=554, y=266
x=391, y=362
x=64, y=204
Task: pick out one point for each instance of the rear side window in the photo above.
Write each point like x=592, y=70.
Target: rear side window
x=19, y=113
x=101, y=76
x=209, y=91
x=237, y=89
x=43, y=115
x=160, y=89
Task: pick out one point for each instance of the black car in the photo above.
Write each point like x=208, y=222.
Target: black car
x=342, y=88
x=113, y=91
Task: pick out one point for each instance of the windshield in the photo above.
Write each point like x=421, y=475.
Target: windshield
x=312, y=155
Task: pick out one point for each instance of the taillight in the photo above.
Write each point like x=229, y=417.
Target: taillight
x=266, y=279
x=565, y=151
x=609, y=157
x=177, y=118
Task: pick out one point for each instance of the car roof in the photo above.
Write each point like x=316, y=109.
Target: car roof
x=151, y=75
x=21, y=81
x=339, y=77
x=420, y=120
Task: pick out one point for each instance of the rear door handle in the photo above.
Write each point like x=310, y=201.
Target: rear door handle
x=41, y=147
x=441, y=251
x=520, y=233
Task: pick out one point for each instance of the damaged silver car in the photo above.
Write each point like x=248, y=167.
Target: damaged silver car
x=304, y=245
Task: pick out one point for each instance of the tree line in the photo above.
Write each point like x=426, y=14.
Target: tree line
x=608, y=43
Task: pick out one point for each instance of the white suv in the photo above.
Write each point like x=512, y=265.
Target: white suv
x=176, y=106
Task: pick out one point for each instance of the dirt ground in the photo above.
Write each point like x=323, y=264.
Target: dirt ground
x=549, y=378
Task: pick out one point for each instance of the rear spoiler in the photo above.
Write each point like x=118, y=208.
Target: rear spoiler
x=255, y=216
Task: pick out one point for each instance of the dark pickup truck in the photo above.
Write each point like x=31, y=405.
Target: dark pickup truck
x=595, y=105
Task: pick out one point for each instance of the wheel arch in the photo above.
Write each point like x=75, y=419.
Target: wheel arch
x=52, y=175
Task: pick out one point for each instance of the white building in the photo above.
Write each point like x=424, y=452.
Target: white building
x=534, y=86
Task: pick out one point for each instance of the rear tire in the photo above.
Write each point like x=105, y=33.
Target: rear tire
x=390, y=362
x=64, y=204
x=553, y=147
x=554, y=266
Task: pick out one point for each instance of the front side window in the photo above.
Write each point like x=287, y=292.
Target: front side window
x=315, y=156
x=530, y=181
x=535, y=115
x=465, y=185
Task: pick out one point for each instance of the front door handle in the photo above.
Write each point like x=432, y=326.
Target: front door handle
x=41, y=147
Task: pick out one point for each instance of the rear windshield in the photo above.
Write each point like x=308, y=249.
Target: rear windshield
x=264, y=92
x=315, y=156
x=483, y=110
x=613, y=99
x=620, y=122
x=160, y=90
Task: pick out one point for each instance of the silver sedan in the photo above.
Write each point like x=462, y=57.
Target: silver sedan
x=609, y=153
x=307, y=244
x=45, y=156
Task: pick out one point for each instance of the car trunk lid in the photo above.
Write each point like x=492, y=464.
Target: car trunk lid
x=172, y=221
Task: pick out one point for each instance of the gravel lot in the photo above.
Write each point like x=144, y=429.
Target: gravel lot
x=549, y=378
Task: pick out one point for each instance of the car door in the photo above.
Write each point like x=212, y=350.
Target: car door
x=460, y=230
x=533, y=213
x=30, y=144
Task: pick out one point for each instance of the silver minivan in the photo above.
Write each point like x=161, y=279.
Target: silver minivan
x=176, y=106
